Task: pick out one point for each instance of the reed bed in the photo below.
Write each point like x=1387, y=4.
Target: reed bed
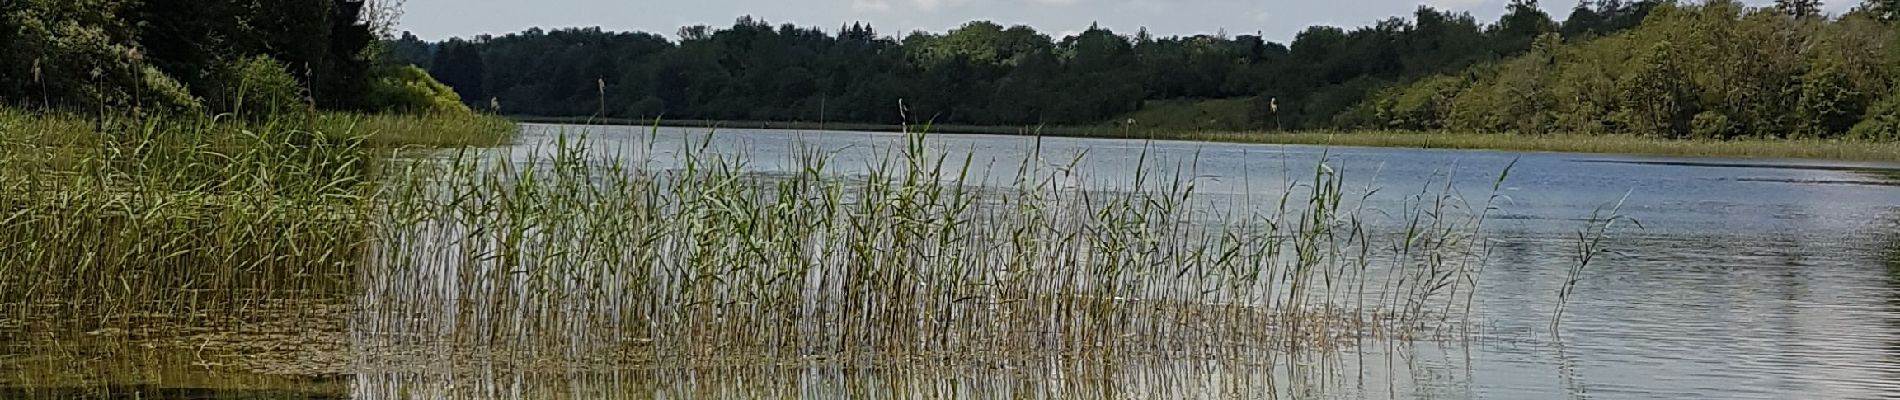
x=174, y=219
x=158, y=229
x=564, y=255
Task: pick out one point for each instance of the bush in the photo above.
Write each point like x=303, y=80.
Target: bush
x=1829, y=103
x=1712, y=125
x=261, y=88
x=1882, y=122
x=1424, y=105
x=408, y=89
x=160, y=93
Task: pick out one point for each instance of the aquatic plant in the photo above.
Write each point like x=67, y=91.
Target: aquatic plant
x=702, y=261
x=649, y=255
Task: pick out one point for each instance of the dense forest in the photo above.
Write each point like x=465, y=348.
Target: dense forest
x=981, y=73
x=253, y=57
x=1715, y=70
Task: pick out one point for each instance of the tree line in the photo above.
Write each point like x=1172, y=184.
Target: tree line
x=218, y=56
x=983, y=73
x=1716, y=70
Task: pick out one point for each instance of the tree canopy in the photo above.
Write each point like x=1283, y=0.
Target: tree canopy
x=981, y=72
x=177, y=55
x=1714, y=70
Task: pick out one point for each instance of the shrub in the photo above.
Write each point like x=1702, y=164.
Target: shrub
x=408, y=89
x=1712, y=125
x=160, y=93
x=1882, y=122
x=261, y=88
x=1424, y=105
x=1829, y=103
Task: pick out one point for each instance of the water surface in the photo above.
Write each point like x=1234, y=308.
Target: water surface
x=1760, y=279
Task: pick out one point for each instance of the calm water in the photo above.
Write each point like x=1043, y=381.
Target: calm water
x=1746, y=279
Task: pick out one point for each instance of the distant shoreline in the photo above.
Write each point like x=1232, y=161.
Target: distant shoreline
x=1065, y=131
x=1842, y=150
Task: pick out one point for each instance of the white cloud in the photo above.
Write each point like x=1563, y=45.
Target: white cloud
x=1453, y=4
x=863, y=6
x=1056, y=2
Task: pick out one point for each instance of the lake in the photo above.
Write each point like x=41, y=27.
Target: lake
x=1731, y=278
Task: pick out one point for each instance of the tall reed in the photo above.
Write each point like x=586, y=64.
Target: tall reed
x=568, y=253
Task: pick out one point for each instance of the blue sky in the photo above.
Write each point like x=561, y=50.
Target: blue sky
x=1278, y=20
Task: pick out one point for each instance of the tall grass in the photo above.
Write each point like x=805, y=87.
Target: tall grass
x=173, y=217
x=702, y=261
x=572, y=256
x=369, y=130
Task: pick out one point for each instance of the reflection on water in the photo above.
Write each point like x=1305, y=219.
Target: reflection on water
x=1746, y=282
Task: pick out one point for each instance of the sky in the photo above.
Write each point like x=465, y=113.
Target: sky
x=1277, y=20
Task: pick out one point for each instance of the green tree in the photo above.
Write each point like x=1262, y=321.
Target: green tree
x=1522, y=23
x=1829, y=103
x=459, y=65
x=1658, y=97
x=409, y=50
x=1799, y=8
x=1425, y=105
x=1882, y=122
x=1883, y=10
x=1584, y=20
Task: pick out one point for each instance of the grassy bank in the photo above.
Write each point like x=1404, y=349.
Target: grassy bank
x=1612, y=144
x=121, y=217
x=371, y=130
x=1065, y=131
x=1847, y=150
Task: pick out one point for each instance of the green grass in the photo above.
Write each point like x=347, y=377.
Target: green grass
x=421, y=131
x=1609, y=144
x=1178, y=121
x=114, y=218
x=707, y=263
x=1045, y=130
x=370, y=130
x=702, y=262
x=1190, y=116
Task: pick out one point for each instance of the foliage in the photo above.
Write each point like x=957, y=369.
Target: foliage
x=1423, y=105
x=1715, y=70
x=980, y=73
x=72, y=54
x=161, y=93
x=1711, y=125
x=1185, y=115
x=261, y=88
x=161, y=55
x=1829, y=104
x=1657, y=97
x=408, y=89
x=1882, y=122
